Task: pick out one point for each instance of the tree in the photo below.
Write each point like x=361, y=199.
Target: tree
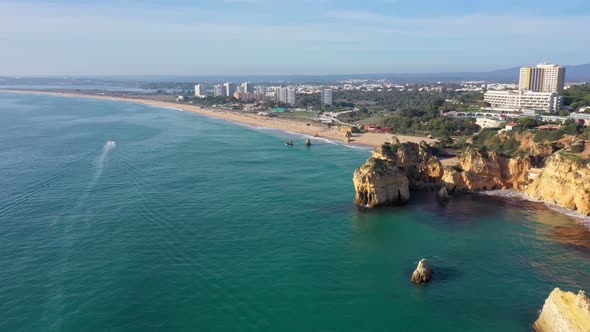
x=528, y=122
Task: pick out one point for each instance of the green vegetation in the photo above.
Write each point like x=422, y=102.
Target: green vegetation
x=542, y=136
x=415, y=121
x=576, y=158
x=577, y=96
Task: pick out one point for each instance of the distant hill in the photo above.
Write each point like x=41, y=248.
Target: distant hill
x=509, y=75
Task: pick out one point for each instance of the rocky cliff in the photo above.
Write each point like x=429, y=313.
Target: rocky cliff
x=564, y=312
x=388, y=175
x=481, y=170
x=394, y=169
x=564, y=181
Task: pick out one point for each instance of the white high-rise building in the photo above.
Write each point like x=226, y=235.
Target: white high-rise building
x=261, y=90
x=282, y=95
x=291, y=93
x=200, y=90
x=326, y=97
x=219, y=90
x=247, y=87
x=230, y=89
x=542, y=78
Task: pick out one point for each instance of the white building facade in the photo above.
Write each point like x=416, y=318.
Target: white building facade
x=326, y=97
x=200, y=91
x=521, y=100
x=219, y=90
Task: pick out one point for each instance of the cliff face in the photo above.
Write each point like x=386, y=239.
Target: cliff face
x=487, y=171
x=564, y=312
x=393, y=169
x=563, y=181
x=388, y=175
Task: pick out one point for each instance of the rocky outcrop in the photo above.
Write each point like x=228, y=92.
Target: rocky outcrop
x=564, y=312
x=564, y=181
x=307, y=142
x=394, y=170
x=482, y=170
x=423, y=272
x=389, y=174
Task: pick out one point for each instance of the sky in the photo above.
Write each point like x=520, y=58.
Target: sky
x=280, y=37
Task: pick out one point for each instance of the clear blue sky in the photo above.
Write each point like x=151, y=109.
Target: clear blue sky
x=241, y=37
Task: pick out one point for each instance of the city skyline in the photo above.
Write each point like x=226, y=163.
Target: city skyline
x=247, y=37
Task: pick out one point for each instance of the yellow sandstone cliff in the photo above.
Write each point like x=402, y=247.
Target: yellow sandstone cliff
x=564, y=181
x=564, y=312
x=388, y=175
x=478, y=170
x=393, y=169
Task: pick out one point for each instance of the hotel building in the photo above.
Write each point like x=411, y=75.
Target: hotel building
x=542, y=78
x=200, y=91
x=521, y=100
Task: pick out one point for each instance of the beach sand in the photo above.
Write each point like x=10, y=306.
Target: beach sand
x=290, y=125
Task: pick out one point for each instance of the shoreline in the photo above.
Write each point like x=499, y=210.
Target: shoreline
x=282, y=124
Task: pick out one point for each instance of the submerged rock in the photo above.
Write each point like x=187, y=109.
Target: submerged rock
x=564, y=312
x=423, y=272
x=443, y=195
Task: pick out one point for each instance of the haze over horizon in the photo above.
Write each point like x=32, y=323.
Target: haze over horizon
x=265, y=37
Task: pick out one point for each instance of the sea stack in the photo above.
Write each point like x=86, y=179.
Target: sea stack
x=423, y=272
x=392, y=170
x=307, y=142
x=564, y=311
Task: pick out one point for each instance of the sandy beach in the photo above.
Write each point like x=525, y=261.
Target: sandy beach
x=290, y=125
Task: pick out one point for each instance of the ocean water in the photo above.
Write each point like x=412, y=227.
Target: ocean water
x=185, y=223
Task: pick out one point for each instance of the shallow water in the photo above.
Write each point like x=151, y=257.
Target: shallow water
x=190, y=223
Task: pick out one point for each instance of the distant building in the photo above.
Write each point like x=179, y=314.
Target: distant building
x=246, y=97
x=261, y=90
x=511, y=125
x=247, y=87
x=291, y=94
x=200, y=91
x=488, y=122
x=230, y=89
x=282, y=95
x=519, y=101
x=542, y=78
x=219, y=90
x=326, y=97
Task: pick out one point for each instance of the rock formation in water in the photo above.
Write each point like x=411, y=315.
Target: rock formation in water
x=564, y=181
x=564, y=312
x=423, y=272
x=388, y=175
x=307, y=142
x=443, y=195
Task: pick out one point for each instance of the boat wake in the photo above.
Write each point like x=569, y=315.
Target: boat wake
x=99, y=162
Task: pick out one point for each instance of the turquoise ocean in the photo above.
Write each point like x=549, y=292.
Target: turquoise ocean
x=187, y=223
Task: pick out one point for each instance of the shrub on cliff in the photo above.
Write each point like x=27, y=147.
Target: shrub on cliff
x=542, y=136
